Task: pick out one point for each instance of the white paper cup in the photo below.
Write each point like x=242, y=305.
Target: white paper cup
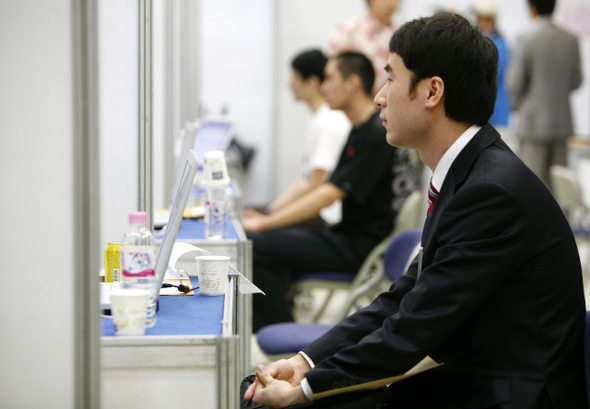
x=215, y=168
x=212, y=272
x=129, y=310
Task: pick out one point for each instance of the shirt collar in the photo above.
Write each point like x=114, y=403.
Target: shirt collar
x=441, y=170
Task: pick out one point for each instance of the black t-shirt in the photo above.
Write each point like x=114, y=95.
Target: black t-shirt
x=376, y=177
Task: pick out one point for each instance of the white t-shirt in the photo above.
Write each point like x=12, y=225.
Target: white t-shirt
x=325, y=136
x=324, y=139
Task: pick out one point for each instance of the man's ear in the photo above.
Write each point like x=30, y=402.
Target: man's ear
x=354, y=82
x=436, y=92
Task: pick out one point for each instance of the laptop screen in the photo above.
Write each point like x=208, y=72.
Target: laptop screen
x=181, y=197
x=212, y=135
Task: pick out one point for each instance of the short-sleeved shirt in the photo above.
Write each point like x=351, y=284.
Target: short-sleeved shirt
x=325, y=135
x=376, y=177
x=363, y=34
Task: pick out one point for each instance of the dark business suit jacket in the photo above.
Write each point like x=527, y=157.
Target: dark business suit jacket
x=499, y=300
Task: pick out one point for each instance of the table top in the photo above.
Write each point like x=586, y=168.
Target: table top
x=191, y=229
x=182, y=315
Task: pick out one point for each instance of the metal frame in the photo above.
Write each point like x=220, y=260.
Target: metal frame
x=145, y=137
x=86, y=179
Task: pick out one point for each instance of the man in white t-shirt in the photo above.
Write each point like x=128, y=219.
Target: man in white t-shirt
x=325, y=135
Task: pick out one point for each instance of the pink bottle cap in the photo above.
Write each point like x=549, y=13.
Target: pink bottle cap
x=138, y=217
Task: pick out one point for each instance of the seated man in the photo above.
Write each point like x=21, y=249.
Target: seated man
x=496, y=292
x=325, y=133
x=372, y=179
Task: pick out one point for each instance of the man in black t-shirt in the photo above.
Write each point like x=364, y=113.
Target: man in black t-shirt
x=372, y=179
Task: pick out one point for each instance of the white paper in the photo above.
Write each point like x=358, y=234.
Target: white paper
x=180, y=248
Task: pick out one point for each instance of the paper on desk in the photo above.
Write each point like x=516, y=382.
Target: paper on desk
x=245, y=286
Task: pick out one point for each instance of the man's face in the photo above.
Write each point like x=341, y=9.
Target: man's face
x=400, y=107
x=384, y=8
x=334, y=87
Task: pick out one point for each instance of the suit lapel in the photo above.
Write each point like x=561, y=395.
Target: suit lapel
x=457, y=174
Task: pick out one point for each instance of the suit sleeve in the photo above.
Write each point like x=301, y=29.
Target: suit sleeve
x=518, y=80
x=479, y=241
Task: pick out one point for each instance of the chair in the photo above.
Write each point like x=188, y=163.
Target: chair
x=368, y=276
x=568, y=193
x=280, y=340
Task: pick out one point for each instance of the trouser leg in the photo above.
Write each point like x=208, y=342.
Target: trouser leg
x=279, y=253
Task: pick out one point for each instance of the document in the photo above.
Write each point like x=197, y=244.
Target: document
x=422, y=366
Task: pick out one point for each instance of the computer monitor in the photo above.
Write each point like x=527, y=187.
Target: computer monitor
x=181, y=197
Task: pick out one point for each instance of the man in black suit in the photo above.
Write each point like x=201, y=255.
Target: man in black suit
x=496, y=293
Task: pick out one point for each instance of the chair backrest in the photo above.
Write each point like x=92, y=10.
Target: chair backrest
x=371, y=273
x=391, y=257
x=565, y=186
x=411, y=215
x=567, y=190
x=399, y=251
x=408, y=218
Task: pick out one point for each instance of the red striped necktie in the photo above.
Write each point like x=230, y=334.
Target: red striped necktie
x=432, y=196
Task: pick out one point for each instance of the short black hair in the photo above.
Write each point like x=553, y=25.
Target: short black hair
x=356, y=63
x=449, y=46
x=311, y=62
x=544, y=7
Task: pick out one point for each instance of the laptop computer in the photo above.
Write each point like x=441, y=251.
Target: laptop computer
x=212, y=135
x=181, y=197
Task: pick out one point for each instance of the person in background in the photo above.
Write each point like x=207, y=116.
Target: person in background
x=367, y=34
x=372, y=179
x=486, y=13
x=325, y=135
x=495, y=294
x=545, y=68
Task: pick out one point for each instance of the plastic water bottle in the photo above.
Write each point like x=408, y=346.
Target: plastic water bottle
x=138, y=260
x=215, y=182
x=216, y=210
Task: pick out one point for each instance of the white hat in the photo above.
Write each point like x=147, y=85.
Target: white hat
x=486, y=9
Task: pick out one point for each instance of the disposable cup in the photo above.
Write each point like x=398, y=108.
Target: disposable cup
x=212, y=272
x=129, y=311
x=215, y=169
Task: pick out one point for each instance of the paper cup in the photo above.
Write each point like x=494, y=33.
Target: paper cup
x=129, y=310
x=215, y=169
x=212, y=272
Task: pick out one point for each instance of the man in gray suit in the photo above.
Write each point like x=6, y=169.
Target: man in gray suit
x=545, y=68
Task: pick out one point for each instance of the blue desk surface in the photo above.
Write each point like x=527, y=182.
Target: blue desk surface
x=194, y=229
x=183, y=315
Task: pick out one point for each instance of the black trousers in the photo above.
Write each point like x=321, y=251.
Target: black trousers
x=281, y=254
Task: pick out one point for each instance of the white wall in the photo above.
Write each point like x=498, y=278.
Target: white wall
x=237, y=70
x=301, y=25
x=36, y=205
x=118, y=114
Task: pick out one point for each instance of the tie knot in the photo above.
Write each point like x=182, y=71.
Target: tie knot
x=432, y=196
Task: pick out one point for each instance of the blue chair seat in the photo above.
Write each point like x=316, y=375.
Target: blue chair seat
x=289, y=337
